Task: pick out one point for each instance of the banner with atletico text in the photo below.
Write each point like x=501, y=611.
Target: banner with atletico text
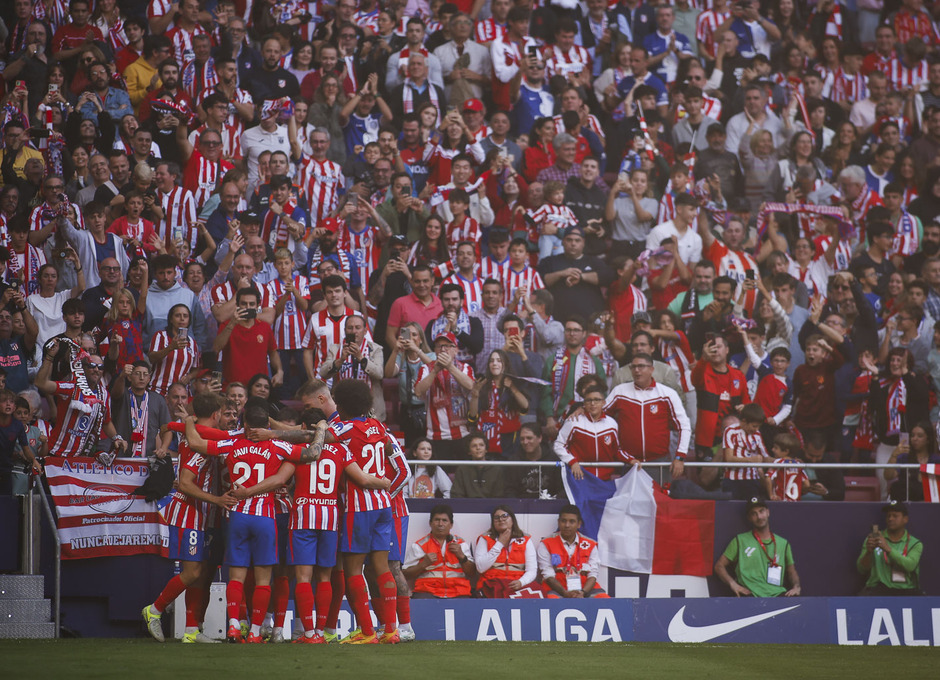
x=98, y=515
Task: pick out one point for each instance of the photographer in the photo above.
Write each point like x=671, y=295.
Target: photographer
x=358, y=358
x=245, y=341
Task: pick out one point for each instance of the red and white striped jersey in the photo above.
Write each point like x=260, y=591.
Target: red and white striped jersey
x=183, y=43
x=447, y=403
x=705, y=27
x=316, y=490
x=325, y=331
x=199, y=78
x=788, y=481
x=902, y=77
x=223, y=293
x=593, y=124
x=559, y=216
x=364, y=249
x=847, y=87
x=202, y=175
x=843, y=252
x=186, y=512
x=179, y=216
x=174, y=365
x=733, y=263
x=321, y=183
x=398, y=474
x=512, y=280
x=250, y=463
x=231, y=140
x=79, y=419
x=158, y=8
x=240, y=96
x=583, y=440
x=42, y=215
x=491, y=269
x=482, y=133
x=366, y=442
x=487, y=31
x=678, y=354
x=744, y=448
x=345, y=265
x=290, y=326
x=560, y=63
x=646, y=417
x=468, y=229
x=56, y=16
x=472, y=291
x=916, y=24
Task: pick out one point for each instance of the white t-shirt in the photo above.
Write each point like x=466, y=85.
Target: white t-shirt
x=48, y=314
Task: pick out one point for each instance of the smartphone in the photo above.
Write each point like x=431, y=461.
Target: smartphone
x=904, y=438
x=512, y=331
x=354, y=199
x=532, y=51
x=406, y=334
x=53, y=88
x=749, y=274
x=251, y=313
x=217, y=376
x=182, y=333
x=350, y=339
x=20, y=85
x=710, y=337
x=874, y=529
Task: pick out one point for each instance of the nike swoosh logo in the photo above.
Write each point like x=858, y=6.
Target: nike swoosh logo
x=680, y=631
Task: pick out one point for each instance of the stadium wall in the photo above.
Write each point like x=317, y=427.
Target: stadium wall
x=102, y=597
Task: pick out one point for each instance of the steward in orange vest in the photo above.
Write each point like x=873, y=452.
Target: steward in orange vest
x=568, y=560
x=440, y=563
x=504, y=556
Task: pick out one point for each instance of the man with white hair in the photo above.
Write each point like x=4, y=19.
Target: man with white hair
x=861, y=199
x=755, y=110
x=417, y=89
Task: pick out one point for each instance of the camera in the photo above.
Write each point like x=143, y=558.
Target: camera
x=749, y=274
x=251, y=313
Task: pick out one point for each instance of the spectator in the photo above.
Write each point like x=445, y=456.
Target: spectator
x=921, y=449
x=571, y=363
x=440, y=563
x=504, y=556
x=445, y=387
x=454, y=320
x=357, y=358
x=139, y=413
x=575, y=279
x=405, y=359
x=479, y=480
x=591, y=437
x=246, y=342
x=772, y=568
x=174, y=352
x=421, y=306
x=45, y=305
x=891, y=558
x=427, y=480
x=496, y=402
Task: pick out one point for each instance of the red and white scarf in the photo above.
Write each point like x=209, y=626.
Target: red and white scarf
x=274, y=223
x=139, y=411
x=356, y=370
x=408, y=93
x=562, y=369
x=897, y=403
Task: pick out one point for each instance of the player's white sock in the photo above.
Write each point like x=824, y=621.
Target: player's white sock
x=153, y=610
x=319, y=632
x=268, y=620
x=330, y=631
x=255, y=630
x=191, y=629
x=234, y=623
x=309, y=633
x=405, y=626
x=278, y=630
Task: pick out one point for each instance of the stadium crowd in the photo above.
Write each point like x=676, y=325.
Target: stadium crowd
x=618, y=232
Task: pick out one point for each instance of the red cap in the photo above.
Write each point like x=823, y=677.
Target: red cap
x=449, y=337
x=473, y=105
x=330, y=224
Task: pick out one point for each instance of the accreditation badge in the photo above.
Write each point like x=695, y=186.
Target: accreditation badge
x=774, y=575
x=573, y=582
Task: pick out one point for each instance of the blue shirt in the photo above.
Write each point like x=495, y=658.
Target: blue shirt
x=656, y=44
x=117, y=103
x=532, y=104
x=359, y=131
x=13, y=359
x=662, y=96
x=747, y=46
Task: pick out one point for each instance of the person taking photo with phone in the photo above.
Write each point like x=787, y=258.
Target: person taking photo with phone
x=246, y=342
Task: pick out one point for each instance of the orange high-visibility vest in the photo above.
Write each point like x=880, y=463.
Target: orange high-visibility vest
x=562, y=561
x=446, y=579
x=510, y=565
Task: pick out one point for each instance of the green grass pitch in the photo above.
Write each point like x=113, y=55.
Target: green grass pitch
x=103, y=659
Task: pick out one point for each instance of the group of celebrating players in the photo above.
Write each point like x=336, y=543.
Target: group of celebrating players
x=346, y=506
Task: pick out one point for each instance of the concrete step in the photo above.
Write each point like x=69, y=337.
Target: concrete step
x=10, y=631
x=21, y=587
x=25, y=611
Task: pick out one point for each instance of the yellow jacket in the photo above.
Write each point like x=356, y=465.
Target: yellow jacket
x=138, y=76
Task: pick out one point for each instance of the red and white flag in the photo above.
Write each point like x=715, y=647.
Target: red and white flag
x=928, y=476
x=98, y=514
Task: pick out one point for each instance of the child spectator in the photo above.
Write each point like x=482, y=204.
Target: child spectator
x=552, y=219
x=775, y=393
x=789, y=483
x=743, y=444
x=136, y=232
x=462, y=227
x=427, y=481
x=814, y=388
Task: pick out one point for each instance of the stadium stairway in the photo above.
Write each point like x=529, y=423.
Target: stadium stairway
x=24, y=612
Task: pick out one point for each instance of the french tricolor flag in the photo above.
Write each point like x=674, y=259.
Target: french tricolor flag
x=928, y=476
x=639, y=528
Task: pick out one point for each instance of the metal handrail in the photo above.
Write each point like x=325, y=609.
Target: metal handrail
x=688, y=463
x=58, y=552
